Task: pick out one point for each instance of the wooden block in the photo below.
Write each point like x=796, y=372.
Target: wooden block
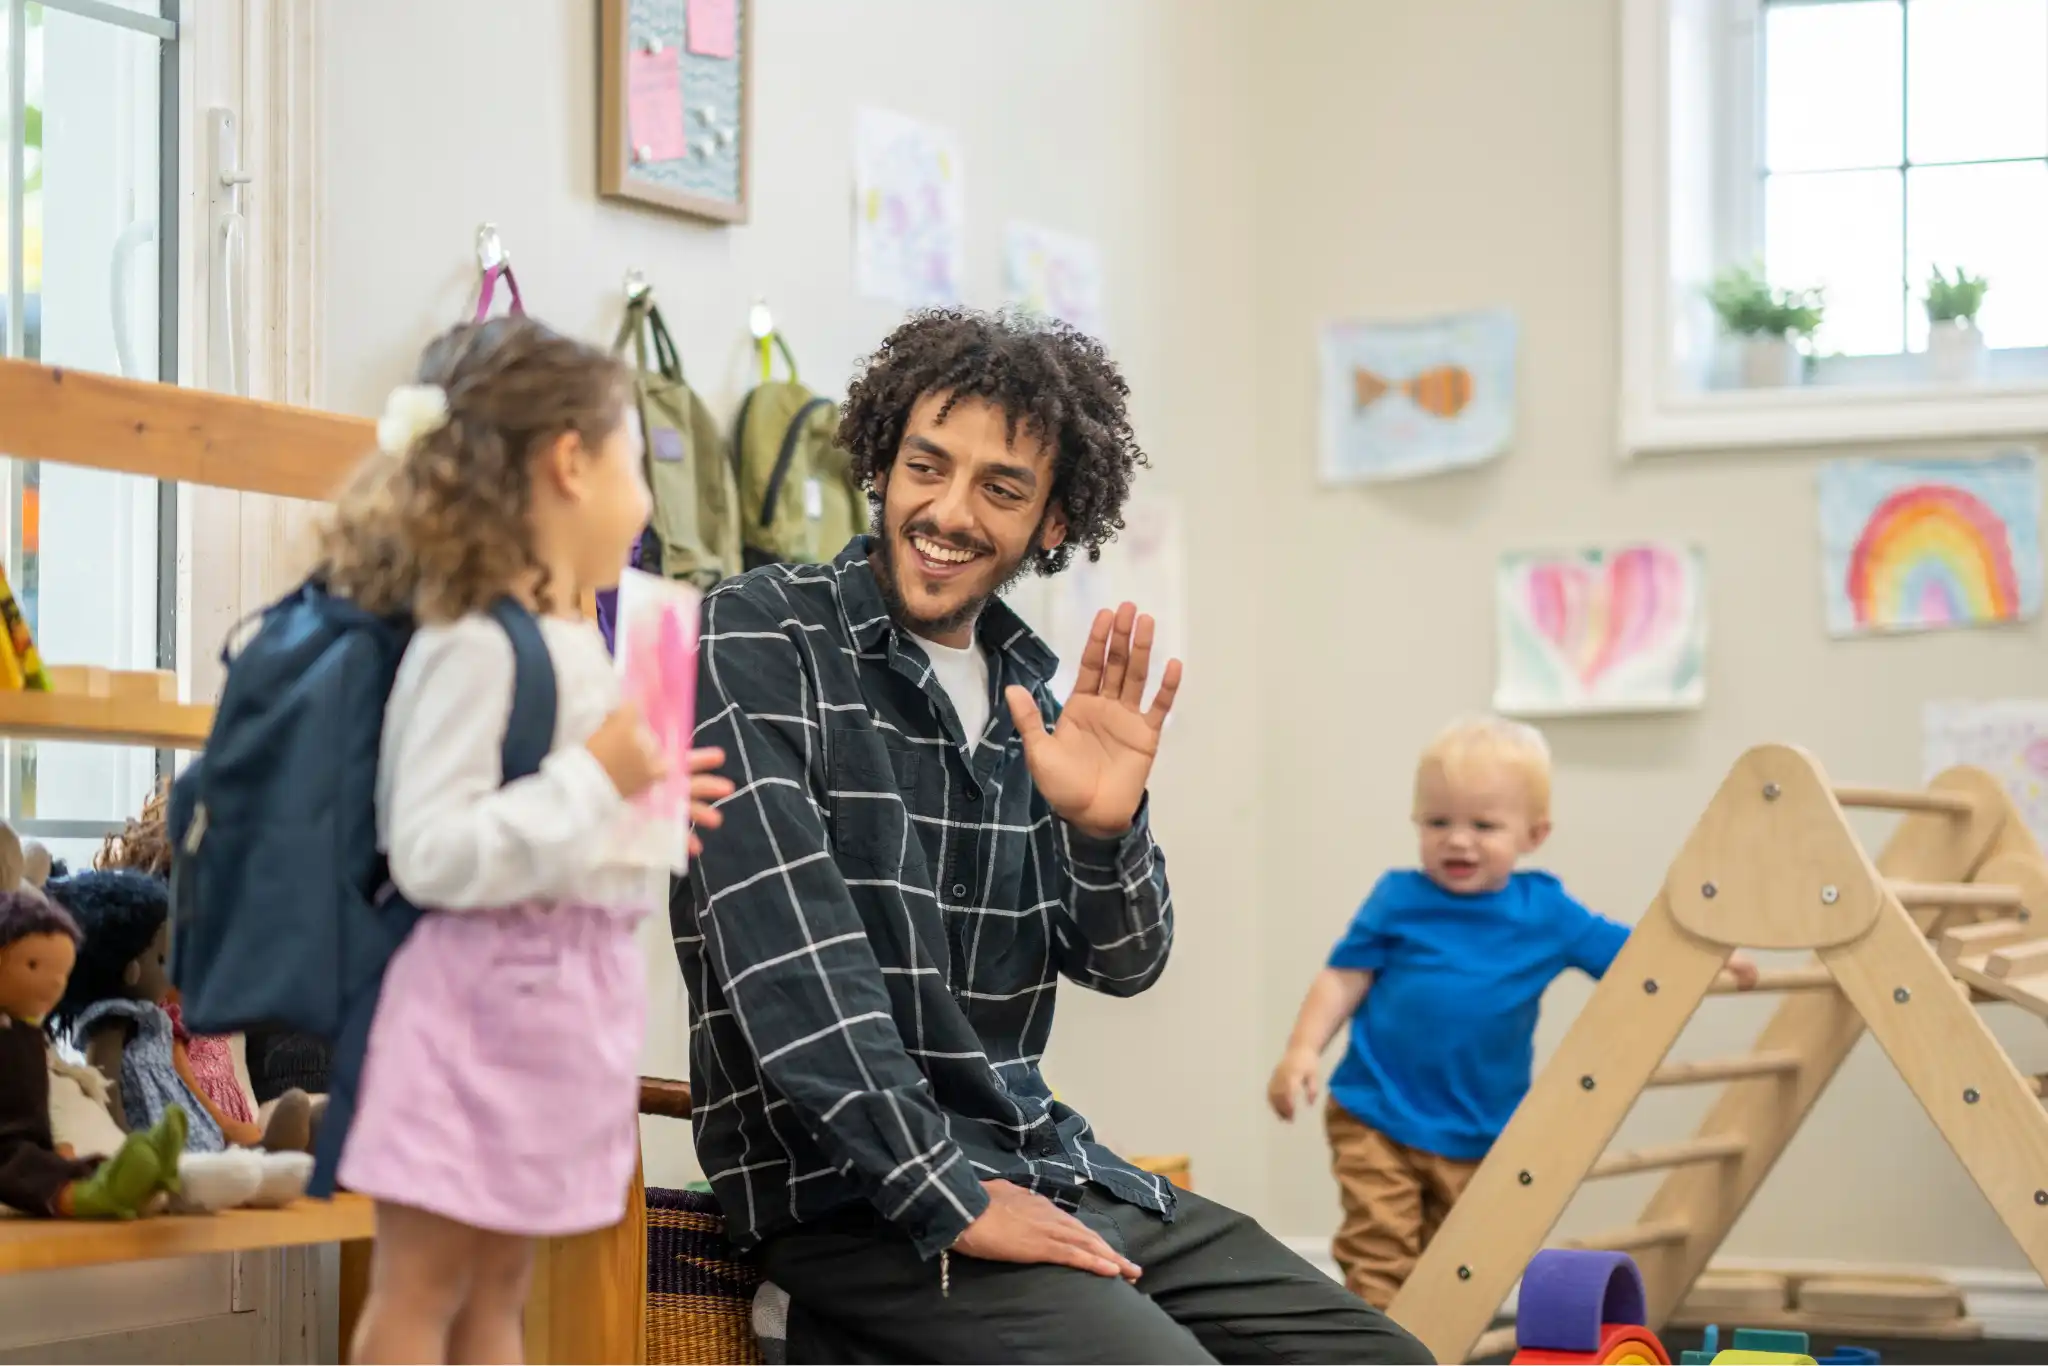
x=2019, y=960
x=143, y=685
x=1738, y=1295
x=79, y=680
x=1873, y=1297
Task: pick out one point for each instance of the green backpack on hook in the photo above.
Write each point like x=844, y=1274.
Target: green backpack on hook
x=695, y=527
x=796, y=484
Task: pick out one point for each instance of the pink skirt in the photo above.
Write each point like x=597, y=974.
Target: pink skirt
x=502, y=1084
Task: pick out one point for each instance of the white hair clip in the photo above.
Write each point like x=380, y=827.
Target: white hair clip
x=412, y=411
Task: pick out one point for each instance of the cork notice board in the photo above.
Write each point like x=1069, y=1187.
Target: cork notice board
x=675, y=91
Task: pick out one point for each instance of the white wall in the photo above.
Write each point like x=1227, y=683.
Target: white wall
x=1247, y=180
x=1095, y=118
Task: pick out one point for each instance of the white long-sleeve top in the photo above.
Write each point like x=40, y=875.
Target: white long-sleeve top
x=460, y=838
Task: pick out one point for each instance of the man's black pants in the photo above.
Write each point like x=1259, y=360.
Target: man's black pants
x=1217, y=1287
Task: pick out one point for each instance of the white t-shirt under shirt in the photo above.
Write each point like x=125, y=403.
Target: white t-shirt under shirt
x=963, y=673
x=458, y=836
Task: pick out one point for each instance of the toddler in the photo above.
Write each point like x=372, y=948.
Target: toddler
x=500, y=1086
x=1440, y=976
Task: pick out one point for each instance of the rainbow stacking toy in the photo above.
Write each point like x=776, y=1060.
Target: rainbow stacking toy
x=1584, y=1306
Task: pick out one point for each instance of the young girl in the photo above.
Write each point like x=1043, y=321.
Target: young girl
x=500, y=1088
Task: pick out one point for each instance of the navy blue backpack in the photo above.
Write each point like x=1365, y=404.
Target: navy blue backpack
x=282, y=913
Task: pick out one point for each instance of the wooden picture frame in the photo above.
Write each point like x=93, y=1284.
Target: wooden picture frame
x=712, y=178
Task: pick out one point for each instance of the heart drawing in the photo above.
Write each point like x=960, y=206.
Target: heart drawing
x=1602, y=629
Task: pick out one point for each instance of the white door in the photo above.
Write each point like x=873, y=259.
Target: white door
x=95, y=228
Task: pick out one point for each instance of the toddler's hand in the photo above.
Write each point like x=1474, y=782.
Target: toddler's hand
x=1743, y=969
x=1294, y=1077
x=626, y=750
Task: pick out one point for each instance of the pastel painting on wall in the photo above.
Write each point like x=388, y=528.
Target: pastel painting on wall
x=2008, y=739
x=1620, y=629
x=910, y=216
x=1414, y=398
x=1919, y=545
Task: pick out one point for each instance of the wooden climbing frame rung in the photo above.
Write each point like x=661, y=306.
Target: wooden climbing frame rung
x=1663, y=1155
x=1782, y=979
x=2018, y=960
x=1899, y=799
x=1760, y=1064
x=1967, y=895
x=1986, y=936
x=1634, y=1237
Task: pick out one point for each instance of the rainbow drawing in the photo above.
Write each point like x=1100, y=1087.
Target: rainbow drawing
x=1924, y=545
x=1618, y=629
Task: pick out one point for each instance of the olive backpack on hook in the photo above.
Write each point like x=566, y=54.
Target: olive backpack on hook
x=796, y=486
x=694, y=534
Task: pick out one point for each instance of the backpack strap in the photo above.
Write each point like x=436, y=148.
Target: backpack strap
x=530, y=733
x=786, y=456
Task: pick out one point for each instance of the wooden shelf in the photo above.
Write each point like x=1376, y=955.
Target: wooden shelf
x=104, y=720
x=159, y=431
x=46, y=1244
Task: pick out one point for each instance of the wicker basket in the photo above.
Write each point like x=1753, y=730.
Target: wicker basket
x=700, y=1293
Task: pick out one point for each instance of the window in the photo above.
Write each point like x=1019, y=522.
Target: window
x=1851, y=146
x=88, y=247
x=1900, y=135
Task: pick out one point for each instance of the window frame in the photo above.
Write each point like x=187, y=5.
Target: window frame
x=1659, y=410
x=168, y=29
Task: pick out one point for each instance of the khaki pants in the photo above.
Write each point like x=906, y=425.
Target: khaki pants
x=1395, y=1199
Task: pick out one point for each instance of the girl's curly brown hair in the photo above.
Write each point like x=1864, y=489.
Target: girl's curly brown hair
x=144, y=846
x=443, y=530
x=1056, y=384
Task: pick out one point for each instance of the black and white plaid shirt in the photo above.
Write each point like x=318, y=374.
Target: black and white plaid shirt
x=873, y=939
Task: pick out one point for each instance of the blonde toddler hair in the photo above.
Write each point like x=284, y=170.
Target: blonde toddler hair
x=1493, y=743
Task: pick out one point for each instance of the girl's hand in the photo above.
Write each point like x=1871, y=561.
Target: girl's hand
x=627, y=751
x=1294, y=1078
x=706, y=787
x=1743, y=969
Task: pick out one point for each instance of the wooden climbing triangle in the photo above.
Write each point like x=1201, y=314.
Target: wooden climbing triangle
x=1953, y=912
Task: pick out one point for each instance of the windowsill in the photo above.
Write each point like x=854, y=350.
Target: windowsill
x=1827, y=414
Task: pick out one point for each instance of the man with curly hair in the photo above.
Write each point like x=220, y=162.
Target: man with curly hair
x=873, y=942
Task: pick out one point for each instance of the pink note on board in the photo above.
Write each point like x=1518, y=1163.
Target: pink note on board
x=654, y=105
x=713, y=27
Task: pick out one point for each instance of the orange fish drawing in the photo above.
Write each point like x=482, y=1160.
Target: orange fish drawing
x=1441, y=392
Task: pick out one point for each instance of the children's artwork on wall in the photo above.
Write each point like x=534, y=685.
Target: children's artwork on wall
x=1622, y=629
x=675, y=122
x=910, y=216
x=2009, y=739
x=1145, y=565
x=1414, y=398
x=1914, y=545
x=1054, y=273
x=656, y=655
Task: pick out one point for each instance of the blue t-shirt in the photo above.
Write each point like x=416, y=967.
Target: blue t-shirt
x=1442, y=1047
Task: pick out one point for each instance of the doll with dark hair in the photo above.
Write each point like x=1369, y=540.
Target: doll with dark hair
x=114, y=1012
x=38, y=947
x=279, y=1062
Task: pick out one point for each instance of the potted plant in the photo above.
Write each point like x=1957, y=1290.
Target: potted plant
x=1955, y=348
x=1766, y=322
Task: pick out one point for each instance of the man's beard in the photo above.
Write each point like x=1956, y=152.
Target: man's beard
x=967, y=612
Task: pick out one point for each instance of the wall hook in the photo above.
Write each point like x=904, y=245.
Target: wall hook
x=637, y=287
x=490, y=248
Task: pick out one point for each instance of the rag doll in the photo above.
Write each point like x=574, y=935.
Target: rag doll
x=277, y=1063
x=115, y=1013
x=38, y=946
